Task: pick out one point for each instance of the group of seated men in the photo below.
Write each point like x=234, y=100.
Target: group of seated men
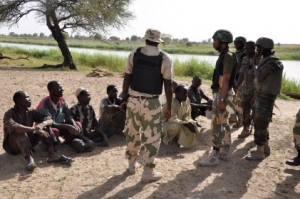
x=25, y=128
x=181, y=127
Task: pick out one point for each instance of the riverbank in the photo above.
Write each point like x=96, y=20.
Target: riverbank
x=115, y=63
x=284, y=51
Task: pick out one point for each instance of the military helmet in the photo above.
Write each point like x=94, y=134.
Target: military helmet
x=265, y=42
x=223, y=35
x=241, y=39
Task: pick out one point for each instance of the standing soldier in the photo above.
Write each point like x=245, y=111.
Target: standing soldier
x=223, y=82
x=239, y=44
x=147, y=69
x=296, y=131
x=246, y=79
x=268, y=77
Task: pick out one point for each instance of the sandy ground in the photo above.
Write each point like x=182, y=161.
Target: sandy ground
x=102, y=173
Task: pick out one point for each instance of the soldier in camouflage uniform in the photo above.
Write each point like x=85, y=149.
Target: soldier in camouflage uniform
x=296, y=132
x=246, y=81
x=223, y=82
x=267, y=83
x=239, y=44
x=147, y=69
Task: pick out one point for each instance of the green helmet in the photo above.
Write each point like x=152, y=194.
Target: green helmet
x=265, y=42
x=224, y=36
x=241, y=39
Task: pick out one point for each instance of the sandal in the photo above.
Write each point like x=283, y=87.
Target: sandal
x=63, y=160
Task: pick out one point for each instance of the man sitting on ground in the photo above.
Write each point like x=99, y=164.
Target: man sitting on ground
x=180, y=125
x=55, y=106
x=195, y=95
x=85, y=114
x=111, y=114
x=20, y=137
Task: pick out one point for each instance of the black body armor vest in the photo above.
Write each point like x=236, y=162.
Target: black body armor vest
x=146, y=73
x=219, y=71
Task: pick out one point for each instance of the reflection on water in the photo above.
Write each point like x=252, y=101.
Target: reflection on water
x=291, y=67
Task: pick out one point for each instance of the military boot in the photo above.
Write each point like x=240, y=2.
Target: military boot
x=239, y=123
x=293, y=162
x=258, y=154
x=133, y=165
x=245, y=133
x=267, y=149
x=232, y=119
x=225, y=153
x=149, y=175
x=211, y=160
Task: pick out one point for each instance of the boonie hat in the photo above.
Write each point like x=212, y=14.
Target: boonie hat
x=79, y=90
x=153, y=35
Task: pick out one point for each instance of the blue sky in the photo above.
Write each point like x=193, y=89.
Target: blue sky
x=199, y=19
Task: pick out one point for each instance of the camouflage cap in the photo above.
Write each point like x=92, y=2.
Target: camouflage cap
x=153, y=35
x=265, y=42
x=241, y=39
x=223, y=35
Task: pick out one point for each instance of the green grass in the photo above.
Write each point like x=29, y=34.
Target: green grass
x=283, y=51
x=290, y=85
x=115, y=63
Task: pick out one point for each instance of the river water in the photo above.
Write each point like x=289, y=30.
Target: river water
x=291, y=67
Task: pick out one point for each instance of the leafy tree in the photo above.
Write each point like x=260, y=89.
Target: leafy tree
x=167, y=38
x=184, y=40
x=42, y=35
x=90, y=16
x=12, y=34
x=134, y=38
x=114, y=38
x=35, y=35
x=97, y=36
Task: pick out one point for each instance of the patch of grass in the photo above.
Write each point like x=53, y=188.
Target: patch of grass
x=290, y=84
x=116, y=63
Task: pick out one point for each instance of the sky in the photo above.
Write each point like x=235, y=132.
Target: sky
x=197, y=20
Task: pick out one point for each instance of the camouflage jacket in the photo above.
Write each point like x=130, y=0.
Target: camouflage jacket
x=247, y=70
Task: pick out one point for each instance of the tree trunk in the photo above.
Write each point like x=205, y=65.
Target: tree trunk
x=61, y=41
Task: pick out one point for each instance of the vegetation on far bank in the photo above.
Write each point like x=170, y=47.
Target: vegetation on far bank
x=284, y=51
x=116, y=63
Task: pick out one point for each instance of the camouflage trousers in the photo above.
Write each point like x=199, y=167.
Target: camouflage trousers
x=237, y=101
x=296, y=131
x=263, y=109
x=221, y=133
x=247, y=110
x=143, y=130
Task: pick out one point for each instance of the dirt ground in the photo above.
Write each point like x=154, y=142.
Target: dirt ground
x=102, y=173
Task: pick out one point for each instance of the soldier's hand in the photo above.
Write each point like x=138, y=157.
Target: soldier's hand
x=167, y=114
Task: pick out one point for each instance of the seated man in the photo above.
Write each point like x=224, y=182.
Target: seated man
x=55, y=106
x=195, y=95
x=20, y=137
x=91, y=133
x=162, y=97
x=180, y=125
x=111, y=114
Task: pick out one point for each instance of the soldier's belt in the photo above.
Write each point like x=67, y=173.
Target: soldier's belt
x=143, y=97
